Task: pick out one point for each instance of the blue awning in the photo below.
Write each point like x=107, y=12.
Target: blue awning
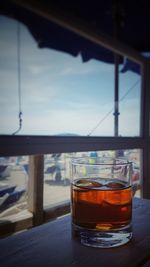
x=132, y=29
x=132, y=66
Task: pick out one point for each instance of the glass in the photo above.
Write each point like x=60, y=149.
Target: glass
x=129, y=101
x=56, y=179
x=13, y=186
x=57, y=172
x=101, y=196
x=59, y=75
x=50, y=74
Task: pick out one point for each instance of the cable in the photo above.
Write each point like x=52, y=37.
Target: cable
x=129, y=90
x=19, y=80
x=100, y=122
x=121, y=99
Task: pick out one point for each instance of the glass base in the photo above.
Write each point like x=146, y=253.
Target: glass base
x=103, y=239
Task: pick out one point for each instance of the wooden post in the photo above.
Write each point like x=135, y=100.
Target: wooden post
x=145, y=127
x=35, y=188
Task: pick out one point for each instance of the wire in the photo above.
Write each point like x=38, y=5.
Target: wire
x=129, y=90
x=19, y=80
x=100, y=122
x=107, y=114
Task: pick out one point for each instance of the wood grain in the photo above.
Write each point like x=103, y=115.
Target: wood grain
x=51, y=244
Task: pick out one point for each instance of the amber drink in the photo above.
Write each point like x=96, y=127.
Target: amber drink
x=101, y=196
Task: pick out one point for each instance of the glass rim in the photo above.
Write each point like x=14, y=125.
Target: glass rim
x=76, y=161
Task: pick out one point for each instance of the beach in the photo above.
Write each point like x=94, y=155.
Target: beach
x=53, y=192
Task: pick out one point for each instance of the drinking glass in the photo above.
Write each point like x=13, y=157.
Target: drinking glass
x=101, y=202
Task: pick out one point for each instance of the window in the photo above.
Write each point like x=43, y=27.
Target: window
x=57, y=172
x=13, y=185
x=90, y=129
x=14, y=178
x=129, y=104
x=59, y=94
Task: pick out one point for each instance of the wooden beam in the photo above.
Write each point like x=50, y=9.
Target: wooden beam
x=35, y=188
x=145, y=100
x=56, y=211
x=14, y=223
x=54, y=14
x=31, y=145
x=145, y=128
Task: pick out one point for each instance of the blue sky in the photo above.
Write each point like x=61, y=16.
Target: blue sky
x=60, y=93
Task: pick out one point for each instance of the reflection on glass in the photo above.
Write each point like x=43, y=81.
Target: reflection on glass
x=13, y=185
x=56, y=87
x=130, y=100
x=57, y=172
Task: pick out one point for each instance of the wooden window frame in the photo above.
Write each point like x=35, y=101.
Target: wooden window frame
x=37, y=146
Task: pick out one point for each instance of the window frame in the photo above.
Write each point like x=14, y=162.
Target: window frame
x=37, y=146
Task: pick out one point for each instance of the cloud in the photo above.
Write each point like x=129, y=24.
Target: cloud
x=9, y=123
x=71, y=121
x=80, y=68
x=35, y=69
x=55, y=98
x=77, y=121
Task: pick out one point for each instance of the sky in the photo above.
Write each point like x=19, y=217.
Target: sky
x=59, y=94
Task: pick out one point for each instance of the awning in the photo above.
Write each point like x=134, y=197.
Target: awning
x=132, y=19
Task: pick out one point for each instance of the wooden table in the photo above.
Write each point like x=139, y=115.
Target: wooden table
x=51, y=244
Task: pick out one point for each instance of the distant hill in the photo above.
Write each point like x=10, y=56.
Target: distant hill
x=68, y=134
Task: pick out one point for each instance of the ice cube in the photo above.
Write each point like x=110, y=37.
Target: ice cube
x=88, y=183
x=115, y=185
